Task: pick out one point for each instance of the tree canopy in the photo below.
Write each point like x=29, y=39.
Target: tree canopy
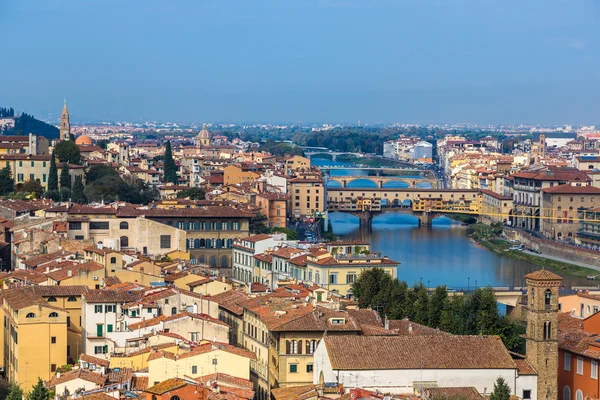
x=474, y=314
x=65, y=177
x=67, y=151
x=170, y=168
x=501, y=390
x=31, y=186
x=53, y=175
x=39, y=391
x=192, y=193
x=26, y=124
x=258, y=224
x=7, y=183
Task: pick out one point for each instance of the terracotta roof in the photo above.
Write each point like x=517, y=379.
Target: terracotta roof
x=445, y=393
x=75, y=270
x=86, y=375
x=227, y=379
x=543, y=275
x=230, y=300
x=139, y=383
x=96, y=396
x=113, y=296
x=94, y=360
x=257, y=238
x=164, y=318
x=295, y=392
x=46, y=258
x=54, y=290
x=24, y=296
x=495, y=195
x=264, y=258
x=167, y=386
x=120, y=376
x=419, y=351
x=318, y=319
x=287, y=252
x=366, y=317
x=205, y=212
x=569, y=189
x=524, y=367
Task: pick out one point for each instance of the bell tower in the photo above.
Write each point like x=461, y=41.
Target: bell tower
x=542, y=330
x=542, y=146
x=65, y=124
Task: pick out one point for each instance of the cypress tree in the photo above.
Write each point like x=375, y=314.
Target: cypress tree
x=501, y=390
x=78, y=195
x=7, y=183
x=53, y=175
x=15, y=393
x=65, y=178
x=39, y=391
x=170, y=167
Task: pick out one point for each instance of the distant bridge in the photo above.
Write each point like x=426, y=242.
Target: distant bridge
x=325, y=151
x=381, y=181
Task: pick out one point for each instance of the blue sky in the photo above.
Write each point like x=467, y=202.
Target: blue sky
x=424, y=61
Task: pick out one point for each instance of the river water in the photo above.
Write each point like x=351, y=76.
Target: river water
x=438, y=255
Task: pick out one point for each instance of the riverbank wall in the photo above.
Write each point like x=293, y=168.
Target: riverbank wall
x=555, y=249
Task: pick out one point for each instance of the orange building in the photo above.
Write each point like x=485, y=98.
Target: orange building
x=274, y=207
x=233, y=174
x=578, y=357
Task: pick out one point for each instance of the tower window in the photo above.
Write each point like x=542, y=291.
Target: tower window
x=547, y=330
x=547, y=299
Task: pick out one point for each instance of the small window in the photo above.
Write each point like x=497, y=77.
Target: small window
x=113, y=260
x=52, y=367
x=594, y=369
x=53, y=339
x=165, y=241
x=51, y=299
x=175, y=398
x=579, y=395
x=124, y=225
x=72, y=299
x=30, y=315
x=293, y=368
x=214, y=361
x=580, y=365
x=309, y=368
x=567, y=361
x=53, y=315
x=526, y=394
x=194, y=369
x=98, y=308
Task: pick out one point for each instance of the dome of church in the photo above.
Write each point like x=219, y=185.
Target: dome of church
x=204, y=133
x=84, y=140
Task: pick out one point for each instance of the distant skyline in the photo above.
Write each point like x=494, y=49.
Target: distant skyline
x=313, y=61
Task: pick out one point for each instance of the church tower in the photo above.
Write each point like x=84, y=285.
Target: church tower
x=65, y=125
x=203, y=139
x=542, y=330
x=542, y=146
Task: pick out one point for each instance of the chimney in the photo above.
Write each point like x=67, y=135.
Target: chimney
x=409, y=327
x=70, y=273
x=387, y=323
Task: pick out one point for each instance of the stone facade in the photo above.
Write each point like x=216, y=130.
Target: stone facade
x=542, y=330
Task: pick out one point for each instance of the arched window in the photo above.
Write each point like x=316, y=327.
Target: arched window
x=208, y=243
x=124, y=225
x=532, y=296
x=51, y=299
x=218, y=244
x=197, y=243
x=173, y=310
x=53, y=315
x=229, y=243
x=202, y=259
x=154, y=397
x=224, y=262
x=212, y=262
x=113, y=260
x=124, y=241
x=311, y=345
x=202, y=243
x=547, y=330
x=566, y=393
x=547, y=298
x=578, y=395
x=175, y=397
x=72, y=299
x=30, y=315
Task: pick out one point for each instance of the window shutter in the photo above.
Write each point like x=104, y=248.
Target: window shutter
x=308, y=347
x=299, y=346
x=287, y=347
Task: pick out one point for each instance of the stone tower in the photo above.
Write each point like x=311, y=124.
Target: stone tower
x=542, y=330
x=65, y=125
x=203, y=139
x=542, y=146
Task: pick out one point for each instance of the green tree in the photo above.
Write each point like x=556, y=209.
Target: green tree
x=501, y=390
x=39, y=391
x=52, y=194
x=421, y=314
x=192, y=193
x=5, y=388
x=437, y=304
x=258, y=224
x=99, y=171
x=170, y=169
x=291, y=235
x=65, y=194
x=53, y=174
x=65, y=177
x=16, y=393
x=31, y=186
x=67, y=151
x=78, y=194
x=7, y=183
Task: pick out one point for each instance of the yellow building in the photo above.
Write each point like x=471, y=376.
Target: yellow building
x=338, y=272
x=209, y=286
x=297, y=163
x=35, y=337
x=306, y=196
x=25, y=167
x=495, y=207
x=233, y=175
x=201, y=361
x=138, y=360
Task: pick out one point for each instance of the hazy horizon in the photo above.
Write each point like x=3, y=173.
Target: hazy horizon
x=313, y=61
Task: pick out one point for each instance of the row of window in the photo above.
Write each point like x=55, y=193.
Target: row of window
x=21, y=177
x=209, y=243
x=204, y=226
x=294, y=368
x=32, y=164
x=98, y=225
x=33, y=315
x=295, y=346
x=567, y=394
x=579, y=366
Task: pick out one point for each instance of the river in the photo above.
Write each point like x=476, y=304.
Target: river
x=438, y=255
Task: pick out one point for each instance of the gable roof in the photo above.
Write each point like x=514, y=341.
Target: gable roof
x=416, y=352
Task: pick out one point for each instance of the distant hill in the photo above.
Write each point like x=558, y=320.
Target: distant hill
x=25, y=124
